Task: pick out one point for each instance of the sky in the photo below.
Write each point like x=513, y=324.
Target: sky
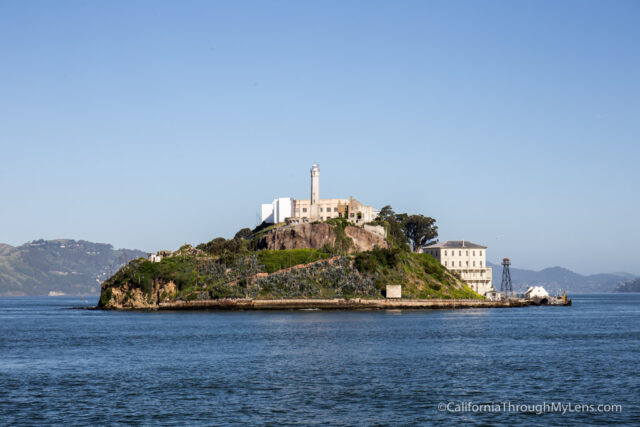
x=148, y=124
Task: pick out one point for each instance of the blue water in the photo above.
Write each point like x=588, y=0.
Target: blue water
x=317, y=367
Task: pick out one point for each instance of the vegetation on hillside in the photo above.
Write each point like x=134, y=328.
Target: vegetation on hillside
x=74, y=267
x=234, y=268
x=404, y=230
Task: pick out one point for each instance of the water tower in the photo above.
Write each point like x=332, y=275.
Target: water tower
x=506, y=288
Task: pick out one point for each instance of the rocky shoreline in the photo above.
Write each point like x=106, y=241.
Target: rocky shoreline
x=327, y=304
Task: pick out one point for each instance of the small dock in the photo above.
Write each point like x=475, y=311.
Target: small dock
x=551, y=300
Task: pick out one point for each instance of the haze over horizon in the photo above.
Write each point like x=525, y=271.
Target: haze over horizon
x=150, y=124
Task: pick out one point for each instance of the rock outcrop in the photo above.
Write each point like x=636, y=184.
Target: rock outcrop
x=364, y=240
x=131, y=297
x=316, y=235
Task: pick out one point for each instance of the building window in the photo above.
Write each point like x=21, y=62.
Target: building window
x=474, y=263
x=304, y=210
x=445, y=263
x=467, y=253
x=445, y=253
x=467, y=263
x=473, y=253
x=335, y=209
x=459, y=253
x=480, y=263
x=459, y=263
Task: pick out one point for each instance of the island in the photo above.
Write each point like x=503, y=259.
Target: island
x=312, y=265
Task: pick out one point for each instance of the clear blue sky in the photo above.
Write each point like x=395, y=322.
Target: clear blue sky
x=148, y=124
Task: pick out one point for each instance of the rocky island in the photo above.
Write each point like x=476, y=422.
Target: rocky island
x=329, y=264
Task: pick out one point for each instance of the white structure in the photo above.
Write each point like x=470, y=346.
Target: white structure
x=315, y=208
x=155, y=258
x=394, y=291
x=467, y=259
x=536, y=292
x=315, y=193
x=278, y=210
x=376, y=229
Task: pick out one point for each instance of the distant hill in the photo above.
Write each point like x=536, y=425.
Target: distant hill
x=630, y=286
x=560, y=278
x=64, y=266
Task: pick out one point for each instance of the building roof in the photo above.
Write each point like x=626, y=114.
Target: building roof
x=455, y=244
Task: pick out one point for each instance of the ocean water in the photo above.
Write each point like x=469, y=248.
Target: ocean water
x=64, y=366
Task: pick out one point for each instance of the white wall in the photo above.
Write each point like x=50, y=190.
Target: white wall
x=282, y=209
x=267, y=212
x=278, y=210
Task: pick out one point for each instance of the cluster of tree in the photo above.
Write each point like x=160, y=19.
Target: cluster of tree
x=241, y=242
x=405, y=230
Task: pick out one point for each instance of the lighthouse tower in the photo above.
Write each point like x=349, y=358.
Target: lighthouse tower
x=315, y=192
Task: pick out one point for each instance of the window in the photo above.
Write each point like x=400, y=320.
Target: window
x=474, y=263
x=473, y=253
x=480, y=263
x=467, y=253
x=459, y=263
x=459, y=253
x=467, y=263
x=335, y=209
x=352, y=215
x=445, y=263
x=445, y=253
x=304, y=209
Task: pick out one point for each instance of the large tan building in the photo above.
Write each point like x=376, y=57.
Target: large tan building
x=466, y=258
x=350, y=208
x=317, y=209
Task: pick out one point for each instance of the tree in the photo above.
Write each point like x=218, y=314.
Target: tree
x=420, y=230
x=386, y=213
x=392, y=222
x=244, y=233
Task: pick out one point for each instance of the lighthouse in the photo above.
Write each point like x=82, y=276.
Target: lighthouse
x=315, y=192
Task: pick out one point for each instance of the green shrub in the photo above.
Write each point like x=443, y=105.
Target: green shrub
x=274, y=260
x=106, y=297
x=377, y=260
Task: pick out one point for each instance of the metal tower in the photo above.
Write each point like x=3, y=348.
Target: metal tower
x=506, y=287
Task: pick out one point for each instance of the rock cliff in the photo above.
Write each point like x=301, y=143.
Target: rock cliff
x=317, y=235
x=128, y=296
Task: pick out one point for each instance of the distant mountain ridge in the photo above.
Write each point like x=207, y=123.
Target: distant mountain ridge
x=72, y=267
x=629, y=286
x=560, y=278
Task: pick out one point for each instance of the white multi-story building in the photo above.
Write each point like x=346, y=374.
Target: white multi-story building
x=317, y=209
x=466, y=258
x=278, y=210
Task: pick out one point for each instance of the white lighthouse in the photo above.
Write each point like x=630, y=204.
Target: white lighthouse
x=315, y=192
